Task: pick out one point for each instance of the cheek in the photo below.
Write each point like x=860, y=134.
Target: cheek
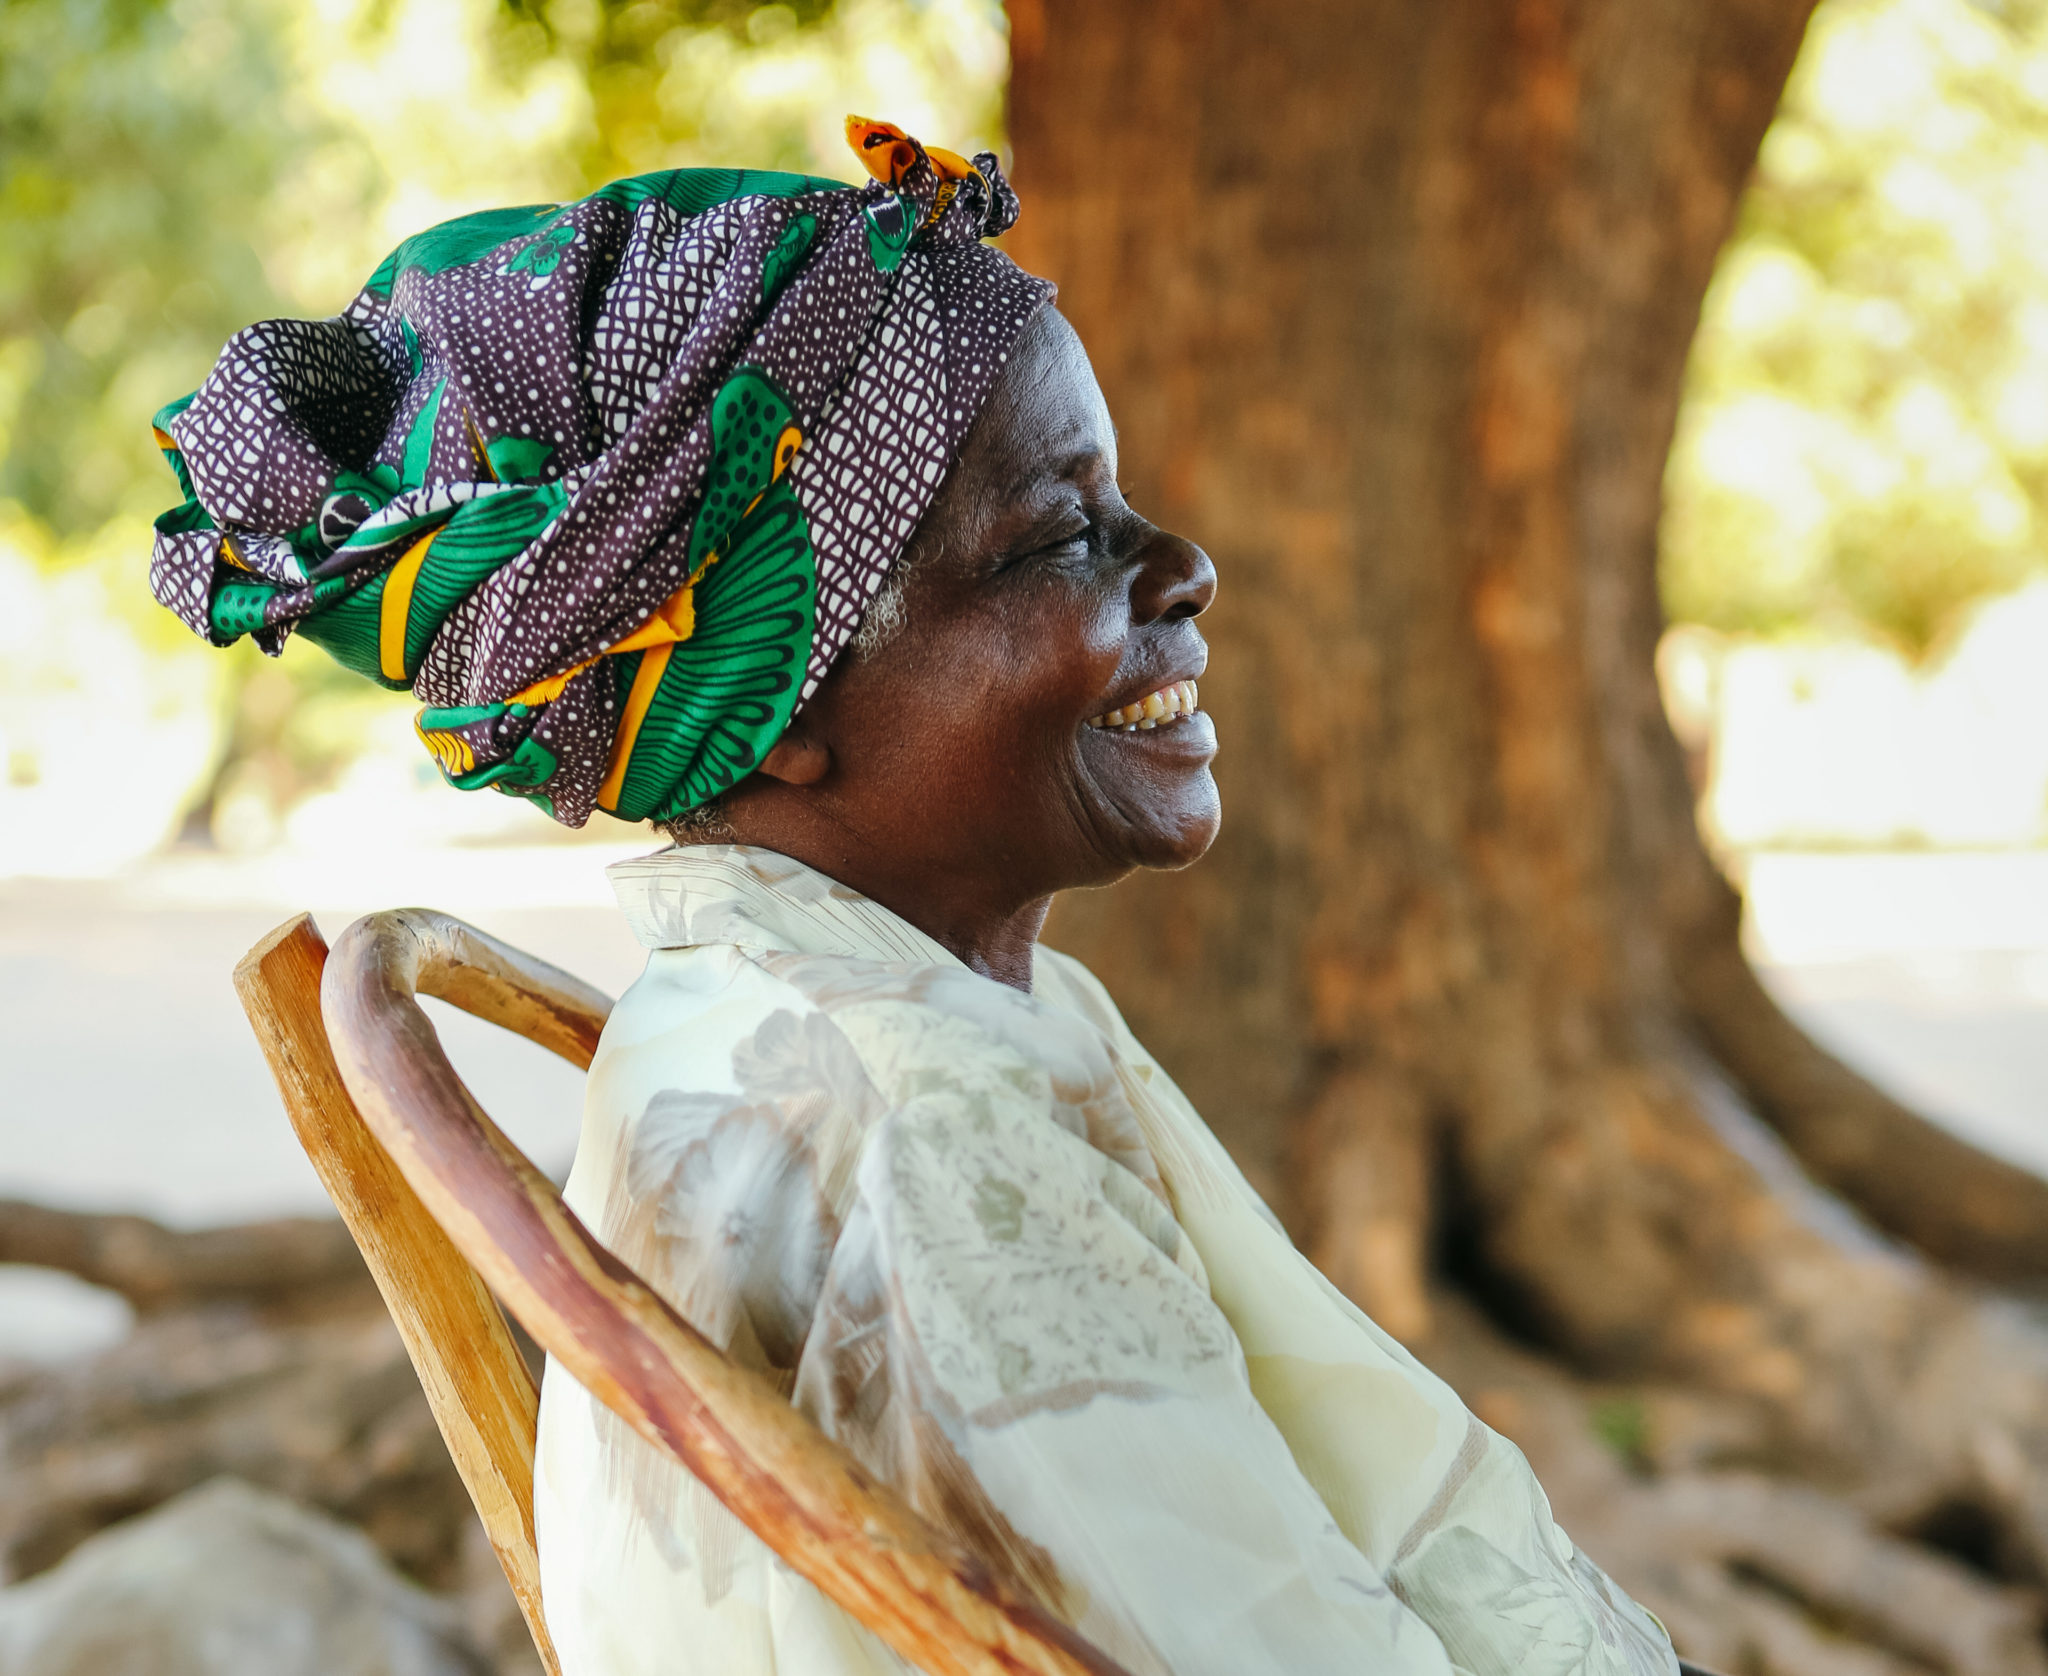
x=1066, y=644
x=982, y=715
x=1055, y=666
x=1013, y=704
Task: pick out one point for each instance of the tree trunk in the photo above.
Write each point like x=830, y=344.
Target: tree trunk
x=1392, y=303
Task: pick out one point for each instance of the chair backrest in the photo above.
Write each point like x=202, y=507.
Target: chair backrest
x=448, y=1212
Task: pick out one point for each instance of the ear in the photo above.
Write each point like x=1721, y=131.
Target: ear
x=798, y=758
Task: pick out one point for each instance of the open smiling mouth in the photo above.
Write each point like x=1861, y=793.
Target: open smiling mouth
x=1168, y=704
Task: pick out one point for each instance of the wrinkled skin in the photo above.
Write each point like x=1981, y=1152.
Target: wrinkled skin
x=950, y=776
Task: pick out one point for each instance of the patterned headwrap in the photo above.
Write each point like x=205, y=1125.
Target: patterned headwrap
x=607, y=485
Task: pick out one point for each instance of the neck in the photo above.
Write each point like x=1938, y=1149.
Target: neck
x=969, y=914
x=998, y=947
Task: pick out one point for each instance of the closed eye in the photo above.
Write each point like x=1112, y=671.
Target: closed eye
x=1070, y=544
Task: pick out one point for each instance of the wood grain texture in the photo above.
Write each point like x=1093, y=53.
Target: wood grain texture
x=946, y=1610
x=483, y=1397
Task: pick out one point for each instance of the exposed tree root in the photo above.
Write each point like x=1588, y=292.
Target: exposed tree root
x=298, y=1260
x=1754, y=1575
x=1828, y=1408
x=324, y=1409
x=1366, y=1156
x=1960, y=1206
x=1768, y=1551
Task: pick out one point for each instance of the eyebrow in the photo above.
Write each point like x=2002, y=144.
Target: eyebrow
x=1064, y=470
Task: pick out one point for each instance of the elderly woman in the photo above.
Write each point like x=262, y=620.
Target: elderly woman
x=786, y=514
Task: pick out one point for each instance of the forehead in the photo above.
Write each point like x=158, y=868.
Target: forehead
x=1045, y=419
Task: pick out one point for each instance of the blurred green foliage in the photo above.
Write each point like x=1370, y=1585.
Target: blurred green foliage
x=672, y=81
x=1622, y=1423
x=1864, y=447
x=135, y=140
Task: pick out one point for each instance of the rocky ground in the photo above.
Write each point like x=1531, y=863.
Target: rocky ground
x=249, y=1481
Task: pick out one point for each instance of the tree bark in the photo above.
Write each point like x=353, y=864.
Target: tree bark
x=1392, y=303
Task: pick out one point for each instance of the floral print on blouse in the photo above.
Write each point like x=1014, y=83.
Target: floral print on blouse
x=980, y=1237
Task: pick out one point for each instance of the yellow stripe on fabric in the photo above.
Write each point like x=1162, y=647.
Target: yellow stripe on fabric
x=549, y=687
x=397, y=600
x=454, y=753
x=673, y=620
x=645, y=679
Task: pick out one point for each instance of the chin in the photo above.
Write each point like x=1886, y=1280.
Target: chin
x=1180, y=837
x=1157, y=790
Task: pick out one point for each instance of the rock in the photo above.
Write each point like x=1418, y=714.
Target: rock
x=229, y=1580
x=325, y=1411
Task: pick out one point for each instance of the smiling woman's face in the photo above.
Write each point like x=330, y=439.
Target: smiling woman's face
x=970, y=752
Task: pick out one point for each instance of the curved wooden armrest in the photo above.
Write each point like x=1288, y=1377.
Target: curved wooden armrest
x=937, y=1605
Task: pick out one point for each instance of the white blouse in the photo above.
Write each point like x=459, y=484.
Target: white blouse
x=981, y=1239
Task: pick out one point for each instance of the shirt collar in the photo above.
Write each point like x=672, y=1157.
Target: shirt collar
x=693, y=894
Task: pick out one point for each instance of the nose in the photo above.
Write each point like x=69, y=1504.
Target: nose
x=1175, y=579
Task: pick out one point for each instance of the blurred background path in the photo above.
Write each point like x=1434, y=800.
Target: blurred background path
x=133, y=1082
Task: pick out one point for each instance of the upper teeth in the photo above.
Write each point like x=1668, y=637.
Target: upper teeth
x=1150, y=711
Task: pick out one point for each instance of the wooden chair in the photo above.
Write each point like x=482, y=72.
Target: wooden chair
x=448, y=1212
